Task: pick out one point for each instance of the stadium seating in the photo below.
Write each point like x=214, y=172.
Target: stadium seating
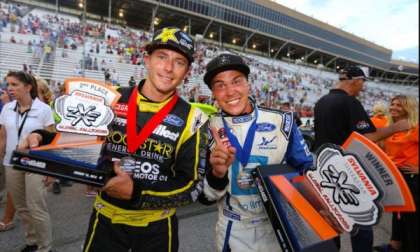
x=273, y=81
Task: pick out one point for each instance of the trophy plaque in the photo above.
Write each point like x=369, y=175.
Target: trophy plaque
x=83, y=113
x=349, y=187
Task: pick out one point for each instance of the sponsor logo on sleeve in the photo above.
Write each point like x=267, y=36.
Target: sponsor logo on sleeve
x=361, y=125
x=286, y=127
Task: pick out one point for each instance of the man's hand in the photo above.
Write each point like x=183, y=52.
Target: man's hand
x=29, y=142
x=121, y=186
x=222, y=157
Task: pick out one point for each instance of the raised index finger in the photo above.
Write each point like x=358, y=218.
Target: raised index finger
x=216, y=136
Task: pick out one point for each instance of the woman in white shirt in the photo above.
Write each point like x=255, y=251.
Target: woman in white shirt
x=18, y=119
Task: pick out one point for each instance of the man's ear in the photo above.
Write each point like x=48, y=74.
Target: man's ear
x=146, y=59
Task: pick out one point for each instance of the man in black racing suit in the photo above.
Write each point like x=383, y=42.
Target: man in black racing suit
x=135, y=210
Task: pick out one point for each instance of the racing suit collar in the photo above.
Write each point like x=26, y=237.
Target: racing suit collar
x=147, y=105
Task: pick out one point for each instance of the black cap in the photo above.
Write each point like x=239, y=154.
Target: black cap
x=222, y=63
x=352, y=73
x=172, y=38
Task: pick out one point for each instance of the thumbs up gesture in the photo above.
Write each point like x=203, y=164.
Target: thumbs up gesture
x=222, y=156
x=121, y=186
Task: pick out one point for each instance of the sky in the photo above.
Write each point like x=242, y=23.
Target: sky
x=393, y=24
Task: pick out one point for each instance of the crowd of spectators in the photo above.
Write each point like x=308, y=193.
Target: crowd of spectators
x=273, y=82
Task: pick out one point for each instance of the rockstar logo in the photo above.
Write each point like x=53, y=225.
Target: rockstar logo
x=167, y=34
x=158, y=148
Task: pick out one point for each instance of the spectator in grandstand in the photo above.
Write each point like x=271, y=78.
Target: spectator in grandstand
x=135, y=210
x=132, y=82
x=115, y=78
x=28, y=190
x=107, y=77
x=95, y=64
x=337, y=115
x=243, y=224
x=403, y=149
x=103, y=65
x=379, y=118
x=47, y=51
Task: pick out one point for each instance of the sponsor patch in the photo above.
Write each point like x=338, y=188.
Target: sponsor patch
x=163, y=131
x=120, y=121
x=148, y=171
x=265, y=127
x=241, y=119
x=267, y=143
x=186, y=37
x=287, y=124
x=362, y=125
x=121, y=109
x=31, y=162
x=174, y=120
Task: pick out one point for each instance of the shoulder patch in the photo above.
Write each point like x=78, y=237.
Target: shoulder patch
x=287, y=124
x=198, y=119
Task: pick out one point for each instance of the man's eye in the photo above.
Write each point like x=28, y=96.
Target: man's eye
x=181, y=63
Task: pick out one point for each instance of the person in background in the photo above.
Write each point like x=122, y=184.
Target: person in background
x=379, y=118
x=6, y=222
x=403, y=149
x=132, y=82
x=18, y=119
x=339, y=113
x=46, y=95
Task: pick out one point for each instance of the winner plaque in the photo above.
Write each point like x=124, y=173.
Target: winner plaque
x=83, y=113
x=349, y=187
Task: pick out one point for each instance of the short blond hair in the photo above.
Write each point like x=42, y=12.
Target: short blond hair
x=379, y=109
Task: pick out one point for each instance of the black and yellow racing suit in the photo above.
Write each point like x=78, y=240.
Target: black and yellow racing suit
x=169, y=167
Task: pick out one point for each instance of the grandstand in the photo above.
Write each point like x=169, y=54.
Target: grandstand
x=293, y=57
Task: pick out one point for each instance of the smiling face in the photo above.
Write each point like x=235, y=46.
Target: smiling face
x=396, y=110
x=231, y=90
x=166, y=70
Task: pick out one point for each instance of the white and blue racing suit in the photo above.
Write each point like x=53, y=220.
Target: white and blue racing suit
x=242, y=223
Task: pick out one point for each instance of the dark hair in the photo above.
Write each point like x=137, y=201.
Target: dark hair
x=27, y=79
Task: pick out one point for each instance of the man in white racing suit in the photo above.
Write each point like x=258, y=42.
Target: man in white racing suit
x=245, y=136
